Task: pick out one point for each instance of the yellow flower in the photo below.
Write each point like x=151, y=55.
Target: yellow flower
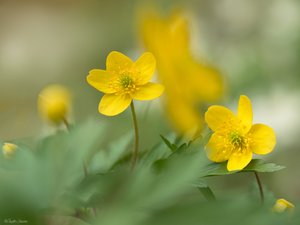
x=282, y=205
x=9, y=150
x=124, y=80
x=235, y=138
x=54, y=103
x=189, y=83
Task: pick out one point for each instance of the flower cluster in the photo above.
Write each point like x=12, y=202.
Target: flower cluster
x=83, y=173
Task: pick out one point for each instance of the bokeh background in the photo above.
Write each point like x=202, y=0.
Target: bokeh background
x=254, y=43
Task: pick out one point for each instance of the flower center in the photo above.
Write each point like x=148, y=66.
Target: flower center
x=126, y=81
x=237, y=140
x=125, y=84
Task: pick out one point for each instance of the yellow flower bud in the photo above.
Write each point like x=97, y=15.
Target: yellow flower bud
x=282, y=205
x=54, y=103
x=9, y=150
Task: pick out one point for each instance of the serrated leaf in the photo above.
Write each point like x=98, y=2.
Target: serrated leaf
x=171, y=146
x=107, y=157
x=215, y=169
x=152, y=189
x=256, y=165
x=207, y=193
x=182, y=148
x=158, y=152
x=200, y=183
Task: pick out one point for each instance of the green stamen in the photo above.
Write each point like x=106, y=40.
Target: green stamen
x=126, y=81
x=237, y=140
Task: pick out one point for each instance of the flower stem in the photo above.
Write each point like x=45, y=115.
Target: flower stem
x=136, y=141
x=85, y=171
x=261, y=191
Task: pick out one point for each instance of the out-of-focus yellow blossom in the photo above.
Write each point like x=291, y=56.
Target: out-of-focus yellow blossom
x=54, y=103
x=9, y=150
x=235, y=138
x=188, y=82
x=124, y=80
x=282, y=205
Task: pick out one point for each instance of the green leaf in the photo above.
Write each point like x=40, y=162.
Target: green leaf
x=171, y=181
x=158, y=152
x=259, y=165
x=171, y=146
x=207, y=193
x=256, y=165
x=203, y=187
x=215, y=169
x=200, y=183
x=107, y=157
x=176, y=148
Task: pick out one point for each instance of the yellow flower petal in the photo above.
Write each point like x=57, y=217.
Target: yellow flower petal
x=217, y=115
x=145, y=65
x=148, y=91
x=215, y=149
x=168, y=38
x=204, y=81
x=264, y=139
x=117, y=62
x=179, y=31
x=111, y=104
x=100, y=80
x=239, y=161
x=187, y=120
x=245, y=112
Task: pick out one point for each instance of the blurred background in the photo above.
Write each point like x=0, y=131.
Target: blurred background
x=254, y=44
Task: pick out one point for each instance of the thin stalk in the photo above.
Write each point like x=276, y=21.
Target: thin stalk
x=136, y=141
x=85, y=171
x=261, y=191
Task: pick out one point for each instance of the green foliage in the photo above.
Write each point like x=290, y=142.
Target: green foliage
x=46, y=184
x=171, y=146
x=256, y=165
x=219, y=169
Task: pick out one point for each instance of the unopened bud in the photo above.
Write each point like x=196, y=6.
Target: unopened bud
x=9, y=150
x=54, y=103
x=282, y=205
